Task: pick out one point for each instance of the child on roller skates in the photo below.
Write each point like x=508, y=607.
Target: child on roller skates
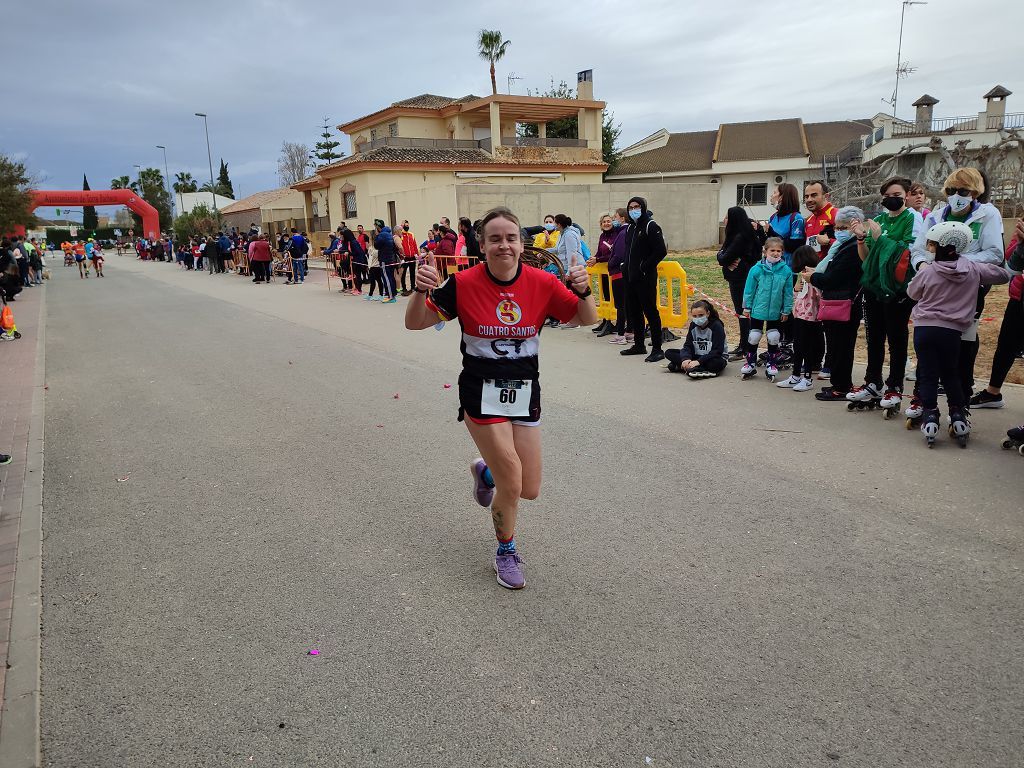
x=767, y=300
x=808, y=334
x=946, y=290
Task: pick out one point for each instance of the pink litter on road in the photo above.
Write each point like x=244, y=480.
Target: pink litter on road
x=395, y=395
x=314, y=652
x=447, y=386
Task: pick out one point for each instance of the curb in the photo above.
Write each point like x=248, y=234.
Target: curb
x=20, y=745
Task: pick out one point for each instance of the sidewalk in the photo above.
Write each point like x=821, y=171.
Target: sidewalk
x=21, y=489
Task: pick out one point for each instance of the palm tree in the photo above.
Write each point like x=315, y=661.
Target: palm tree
x=121, y=182
x=492, y=49
x=183, y=182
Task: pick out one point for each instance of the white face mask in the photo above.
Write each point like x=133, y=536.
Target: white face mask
x=958, y=203
x=701, y=321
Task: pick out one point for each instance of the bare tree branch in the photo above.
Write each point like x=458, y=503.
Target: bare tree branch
x=294, y=163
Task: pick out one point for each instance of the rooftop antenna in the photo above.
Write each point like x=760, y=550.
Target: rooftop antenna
x=903, y=68
x=511, y=77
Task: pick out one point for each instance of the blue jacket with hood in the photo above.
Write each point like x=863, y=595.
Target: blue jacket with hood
x=768, y=293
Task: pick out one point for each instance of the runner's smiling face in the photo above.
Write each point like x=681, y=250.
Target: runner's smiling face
x=502, y=248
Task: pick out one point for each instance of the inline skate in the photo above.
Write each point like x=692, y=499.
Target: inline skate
x=771, y=370
x=1014, y=440
x=749, y=369
x=863, y=398
x=914, y=413
x=930, y=423
x=890, y=404
x=959, y=426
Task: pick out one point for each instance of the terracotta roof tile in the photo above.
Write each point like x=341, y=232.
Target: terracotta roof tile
x=683, y=152
x=257, y=200
x=430, y=101
x=829, y=138
x=761, y=140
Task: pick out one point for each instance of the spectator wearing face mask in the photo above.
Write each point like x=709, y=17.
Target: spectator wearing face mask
x=548, y=239
x=967, y=202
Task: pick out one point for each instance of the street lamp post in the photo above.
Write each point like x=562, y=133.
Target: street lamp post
x=167, y=180
x=209, y=158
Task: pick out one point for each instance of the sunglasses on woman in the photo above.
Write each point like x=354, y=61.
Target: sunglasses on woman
x=962, y=191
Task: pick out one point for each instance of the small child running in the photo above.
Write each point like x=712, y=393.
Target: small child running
x=767, y=300
x=808, y=333
x=704, y=354
x=946, y=291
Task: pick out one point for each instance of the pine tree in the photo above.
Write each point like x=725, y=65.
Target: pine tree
x=327, y=151
x=224, y=181
x=90, y=221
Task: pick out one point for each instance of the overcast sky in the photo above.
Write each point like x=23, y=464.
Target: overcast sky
x=110, y=79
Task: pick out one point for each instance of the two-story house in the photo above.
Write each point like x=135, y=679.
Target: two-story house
x=409, y=159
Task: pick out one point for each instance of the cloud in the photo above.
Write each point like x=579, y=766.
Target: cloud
x=266, y=71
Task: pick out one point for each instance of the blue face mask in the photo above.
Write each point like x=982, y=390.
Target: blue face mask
x=635, y=214
x=700, y=322
x=549, y=227
x=616, y=223
x=842, y=235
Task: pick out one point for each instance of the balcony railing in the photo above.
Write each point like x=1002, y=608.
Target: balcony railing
x=484, y=144
x=959, y=125
x=405, y=143
x=536, y=141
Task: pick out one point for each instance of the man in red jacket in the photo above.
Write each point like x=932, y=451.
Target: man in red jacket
x=819, y=225
x=410, y=250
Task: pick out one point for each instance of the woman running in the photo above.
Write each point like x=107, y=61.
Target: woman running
x=501, y=305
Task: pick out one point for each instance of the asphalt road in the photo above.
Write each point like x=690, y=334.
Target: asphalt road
x=720, y=573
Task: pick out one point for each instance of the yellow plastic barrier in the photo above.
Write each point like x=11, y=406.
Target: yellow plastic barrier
x=671, y=281
x=601, y=285
x=670, y=275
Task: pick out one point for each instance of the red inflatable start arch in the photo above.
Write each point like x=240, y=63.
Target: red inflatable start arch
x=125, y=197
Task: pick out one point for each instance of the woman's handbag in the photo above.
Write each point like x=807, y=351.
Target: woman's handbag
x=836, y=310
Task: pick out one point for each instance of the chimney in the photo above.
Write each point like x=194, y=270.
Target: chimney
x=585, y=85
x=923, y=117
x=995, y=108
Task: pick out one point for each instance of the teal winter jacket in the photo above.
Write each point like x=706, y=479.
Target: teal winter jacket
x=769, y=290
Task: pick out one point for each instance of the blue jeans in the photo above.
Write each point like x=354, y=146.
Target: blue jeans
x=299, y=268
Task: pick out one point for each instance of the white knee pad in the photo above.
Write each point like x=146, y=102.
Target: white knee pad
x=774, y=337
x=754, y=337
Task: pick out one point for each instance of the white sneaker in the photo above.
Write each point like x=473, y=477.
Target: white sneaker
x=748, y=368
x=789, y=383
x=804, y=385
x=568, y=325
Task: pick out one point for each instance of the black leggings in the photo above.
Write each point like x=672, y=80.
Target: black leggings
x=937, y=352
x=841, y=338
x=712, y=364
x=759, y=325
x=358, y=274
x=1010, y=343
x=376, y=280
x=736, y=293
x=641, y=302
x=886, y=321
x=409, y=269
x=808, y=346
x=618, y=298
x=969, y=349
x=260, y=271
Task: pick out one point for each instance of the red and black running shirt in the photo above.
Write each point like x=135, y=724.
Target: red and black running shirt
x=501, y=321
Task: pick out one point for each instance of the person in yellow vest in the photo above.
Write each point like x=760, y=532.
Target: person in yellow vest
x=548, y=239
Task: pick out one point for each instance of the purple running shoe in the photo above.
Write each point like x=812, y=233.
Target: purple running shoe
x=509, y=570
x=481, y=493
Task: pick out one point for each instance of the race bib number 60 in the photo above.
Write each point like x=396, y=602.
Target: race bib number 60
x=506, y=397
